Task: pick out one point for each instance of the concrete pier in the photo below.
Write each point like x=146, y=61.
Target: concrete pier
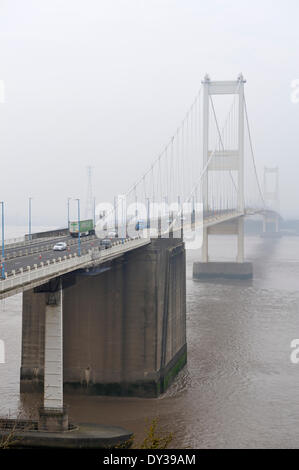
x=53, y=420
x=239, y=269
x=26, y=434
x=124, y=325
x=222, y=270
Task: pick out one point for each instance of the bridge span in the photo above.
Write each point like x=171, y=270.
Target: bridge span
x=33, y=264
x=113, y=321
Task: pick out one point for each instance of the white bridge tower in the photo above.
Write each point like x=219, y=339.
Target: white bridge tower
x=224, y=160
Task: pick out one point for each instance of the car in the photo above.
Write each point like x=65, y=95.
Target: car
x=106, y=243
x=60, y=246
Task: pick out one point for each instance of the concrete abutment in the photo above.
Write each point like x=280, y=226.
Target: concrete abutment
x=124, y=328
x=224, y=270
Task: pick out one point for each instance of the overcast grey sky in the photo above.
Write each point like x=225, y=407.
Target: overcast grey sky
x=106, y=82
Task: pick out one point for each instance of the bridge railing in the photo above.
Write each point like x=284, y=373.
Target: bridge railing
x=33, y=247
x=38, y=274
x=21, y=241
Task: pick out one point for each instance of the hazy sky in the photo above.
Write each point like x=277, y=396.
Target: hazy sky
x=106, y=82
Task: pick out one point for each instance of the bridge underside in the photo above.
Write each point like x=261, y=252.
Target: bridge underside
x=239, y=269
x=124, y=325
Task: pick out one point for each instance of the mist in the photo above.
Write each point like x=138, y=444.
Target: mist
x=106, y=83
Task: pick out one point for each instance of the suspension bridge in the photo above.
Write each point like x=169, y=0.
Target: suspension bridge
x=113, y=321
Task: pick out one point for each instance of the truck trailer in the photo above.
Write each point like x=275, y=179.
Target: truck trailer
x=86, y=228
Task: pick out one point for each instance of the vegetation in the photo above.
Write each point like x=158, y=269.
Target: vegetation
x=7, y=441
x=155, y=438
x=12, y=427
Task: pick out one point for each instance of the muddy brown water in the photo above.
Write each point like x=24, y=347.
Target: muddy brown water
x=239, y=388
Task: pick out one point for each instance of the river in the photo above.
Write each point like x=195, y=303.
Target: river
x=239, y=389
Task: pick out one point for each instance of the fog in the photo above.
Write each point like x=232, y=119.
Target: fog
x=106, y=82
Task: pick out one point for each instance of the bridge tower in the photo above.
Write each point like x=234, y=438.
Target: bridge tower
x=224, y=160
x=271, y=197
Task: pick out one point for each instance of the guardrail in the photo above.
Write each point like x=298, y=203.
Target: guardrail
x=13, y=241
x=32, y=249
x=38, y=274
x=21, y=241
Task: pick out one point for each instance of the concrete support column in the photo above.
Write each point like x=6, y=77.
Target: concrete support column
x=159, y=226
x=53, y=382
x=205, y=142
x=52, y=416
x=171, y=222
x=239, y=269
x=119, y=319
x=33, y=337
x=240, y=254
x=241, y=202
x=205, y=246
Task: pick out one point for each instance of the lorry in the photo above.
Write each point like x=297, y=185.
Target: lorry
x=86, y=228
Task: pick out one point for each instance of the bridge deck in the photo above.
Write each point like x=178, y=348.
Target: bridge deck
x=35, y=264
